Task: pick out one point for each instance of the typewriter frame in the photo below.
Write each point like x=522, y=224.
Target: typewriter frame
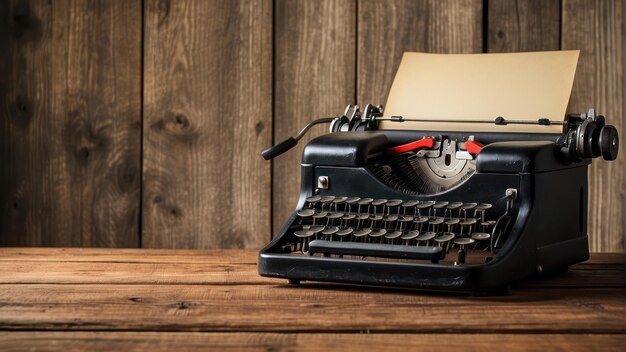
x=536, y=244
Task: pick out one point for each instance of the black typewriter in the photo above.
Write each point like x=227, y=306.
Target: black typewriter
x=470, y=212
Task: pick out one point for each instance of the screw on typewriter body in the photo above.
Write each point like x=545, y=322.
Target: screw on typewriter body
x=322, y=182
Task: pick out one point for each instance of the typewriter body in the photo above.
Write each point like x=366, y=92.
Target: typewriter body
x=454, y=210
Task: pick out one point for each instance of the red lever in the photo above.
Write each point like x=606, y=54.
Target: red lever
x=473, y=147
x=418, y=144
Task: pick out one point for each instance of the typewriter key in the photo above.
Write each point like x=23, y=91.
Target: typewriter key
x=305, y=213
x=425, y=237
x=467, y=222
x=378, y=233
x=435, y=221
x=378, y=202
x=440, y=204
x=339, y=200
x=313, y=199
x=345, y=232
x=330, y=231
x=390, y=218
x=361, y=233
x=327, y=199
x=335, y=215
x=444, y=237
x=463, y=241
x=454, y=205
x=392, y=235
x=468, y=206
x=305, y=236
x=394, y=202
x=425, y=204
x=304, y=233
x=408, y=236
x=409, y=203
x=480, y=236
x=483, y=206
x=365, y=201
x=352, y=200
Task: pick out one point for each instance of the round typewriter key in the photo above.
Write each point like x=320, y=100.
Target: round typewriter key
x=394, y=202
x=327, y=199
x=375, y=217
x=463, y=241
x=378, y=233
x=468, y=206
x=435, y=221
x=410, y=235
x=305, y=213
x=352, y=200
x=410, y=203
x=480, y=236
x=425, y=204
x=390, y=218
x=339, y=200
x=317, y=229
x=440, y=204
x=406, y=218
x=393, y=234
x=365, y=201
x=420, y=219
x=452, y=221
x=320, y=214
x=313, y=199
x=361, y=233
x=488, y=223
x=335, y=215
x=348, y=216
x=378, y=202
x=454, y=205
x=444, y=237
x=304, y=233
x=330, y=230
x=467, y=222
x=426, y=236
x=362, y=216
x=344, y=232
x=483, y=206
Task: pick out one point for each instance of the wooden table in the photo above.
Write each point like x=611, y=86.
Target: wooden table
x=117, y=299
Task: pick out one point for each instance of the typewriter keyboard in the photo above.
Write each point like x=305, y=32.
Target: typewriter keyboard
x=394, y=228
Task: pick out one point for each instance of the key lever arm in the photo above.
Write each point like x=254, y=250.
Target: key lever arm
x=278, y=149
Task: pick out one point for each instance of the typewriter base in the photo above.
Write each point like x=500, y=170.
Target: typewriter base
x=469, y=278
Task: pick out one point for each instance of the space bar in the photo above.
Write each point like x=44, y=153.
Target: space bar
x=377, y=250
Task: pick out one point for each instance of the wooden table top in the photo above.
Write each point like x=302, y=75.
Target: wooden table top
x=60, y=298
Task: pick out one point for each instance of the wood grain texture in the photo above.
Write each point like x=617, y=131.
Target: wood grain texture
x=199, y=341
x=523, y=25
x=389, y=28
x=314, y=77
x=207, y=114
x=224, y=267
x=70, y=91
x=596, y=28
x=305, y=308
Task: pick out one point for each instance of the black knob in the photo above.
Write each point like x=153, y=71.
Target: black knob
x=608, y=142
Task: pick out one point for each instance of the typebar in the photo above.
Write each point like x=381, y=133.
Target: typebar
x=433, y=253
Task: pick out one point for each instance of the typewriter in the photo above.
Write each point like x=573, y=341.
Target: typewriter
x=437, y=210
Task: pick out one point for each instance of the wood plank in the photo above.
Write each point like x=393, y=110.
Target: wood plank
x=70, y=90
x=386, y=29
x=207, y=108
x=311, y=308
x=236, y=267
x=314, y=77
x=523, y=25
x=199, y=341
x=595, y=27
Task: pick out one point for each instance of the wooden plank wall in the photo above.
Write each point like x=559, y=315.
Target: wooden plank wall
x=139, y=123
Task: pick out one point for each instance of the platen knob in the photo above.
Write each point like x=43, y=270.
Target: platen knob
x=608, y=142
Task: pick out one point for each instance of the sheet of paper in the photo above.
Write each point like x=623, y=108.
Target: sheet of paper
x=516, y=86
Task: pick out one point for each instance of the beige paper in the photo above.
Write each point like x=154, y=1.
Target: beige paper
x=516, y=86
